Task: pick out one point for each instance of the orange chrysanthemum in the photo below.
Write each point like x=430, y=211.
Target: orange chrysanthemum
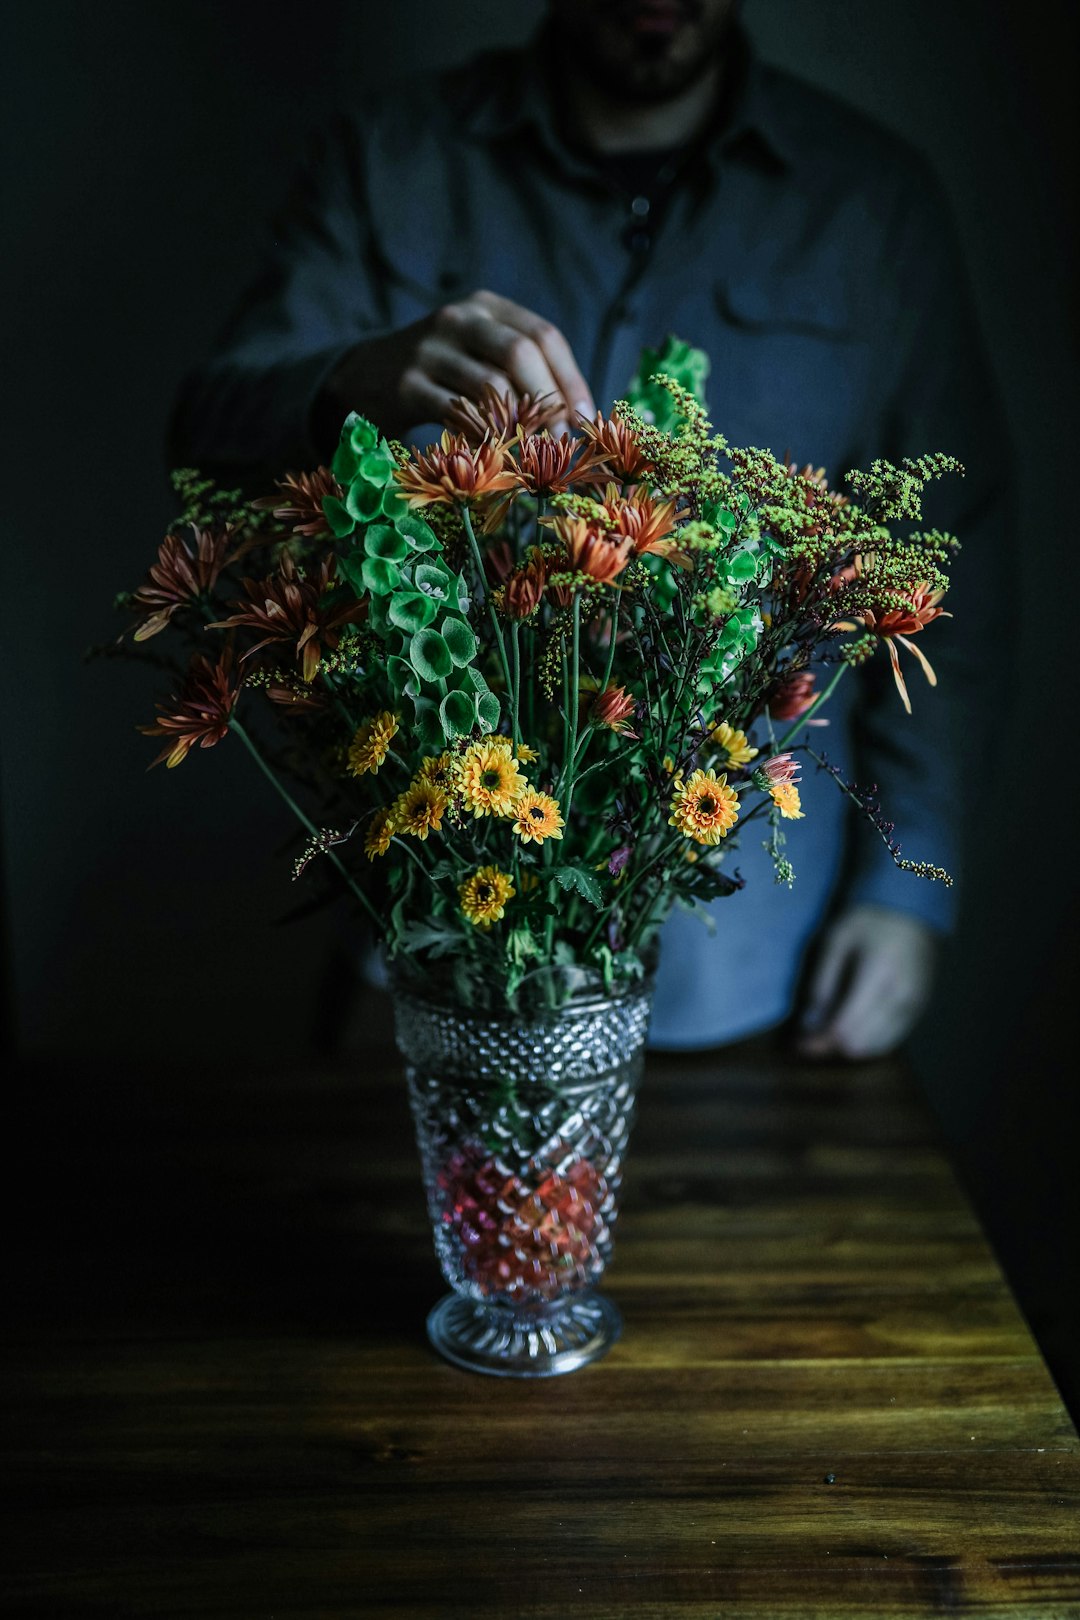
x=704, y=808
x=611, y=448
x=455, y=471
x=198, y=713
x=613, y=707
x=898, y=624
x=785, y=796
x=292, y=606
x=648, y=523
x=792, y=696
x=300, y=501
x=500, y=416
x=523, y=592
x=180, y=575
x=590, y=549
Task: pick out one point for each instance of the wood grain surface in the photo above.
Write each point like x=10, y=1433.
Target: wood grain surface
x=825, y=1403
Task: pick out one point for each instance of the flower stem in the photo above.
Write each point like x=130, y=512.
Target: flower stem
x=305, y=820
x=500, y=644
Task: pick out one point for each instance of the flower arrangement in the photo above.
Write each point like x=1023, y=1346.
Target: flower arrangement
x=524, y=693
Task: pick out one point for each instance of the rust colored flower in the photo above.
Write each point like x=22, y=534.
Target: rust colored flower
x=199, y=712
x=899, y=624
x=590, y=549
x=181, y=574
x=613, y=707
x=793, y=696
x=455, y=471
x=611, y=449
x=545, y=465
x=300, y=502
x=645, y=521
x=524, y=590
x=290, y=606
x=500, y=416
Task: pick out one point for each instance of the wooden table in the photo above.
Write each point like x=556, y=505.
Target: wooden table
x=825, y=1403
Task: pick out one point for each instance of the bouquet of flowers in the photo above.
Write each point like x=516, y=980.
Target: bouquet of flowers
x=524, y=693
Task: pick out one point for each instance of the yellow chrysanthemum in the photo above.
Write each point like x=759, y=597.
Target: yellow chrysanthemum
x=527, y=755
x=420, y=809
x=737, y=750
x=371, y=743
x=379, y=833
x=440, y=770
x=484, y=896
x=494, y=739
x=704, y=808
x=490, y=779
x=785, y=796
x=537, y=816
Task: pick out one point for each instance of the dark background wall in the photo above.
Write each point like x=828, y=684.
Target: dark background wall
x=144, y=146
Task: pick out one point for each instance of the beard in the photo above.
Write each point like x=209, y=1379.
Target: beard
x=643, y=51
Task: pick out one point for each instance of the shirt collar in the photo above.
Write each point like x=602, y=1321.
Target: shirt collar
x=515, y=96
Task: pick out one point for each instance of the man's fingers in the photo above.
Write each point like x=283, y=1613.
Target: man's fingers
x=556, y=351
x=421, y=399
x=871, y=1016
x=825, y=980
x=451, y=368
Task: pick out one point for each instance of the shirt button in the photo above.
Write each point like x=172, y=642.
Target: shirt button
x=640, y=207
x=640, y=241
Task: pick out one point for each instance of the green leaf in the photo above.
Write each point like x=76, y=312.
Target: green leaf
x=377, y=465
x=393, y=504
x=402, y=678
x=341, y=522
x=581, y=882
x=489, y=710
x=460, y=641
x=364, y=500
x=430, y=656
x=351, y=569
x=428, y=723
x=434, y=578
x=457, y=711
x=411, y=611
x=383, y=540
x=357, y=436
x=379, y=576
x=418, y=533
x=423, y=936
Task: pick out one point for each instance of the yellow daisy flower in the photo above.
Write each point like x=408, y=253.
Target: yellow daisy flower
x=527, y=755
x=371, y=742
x=490, y=780
x=379, y=833
x=440, y=770
x=704, y=808
x=419, y=810
x=737, y=750
x=785, y=796
x=537, y=816
x=484, y=895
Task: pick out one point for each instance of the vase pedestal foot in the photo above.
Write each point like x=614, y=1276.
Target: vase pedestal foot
x=539, y=1343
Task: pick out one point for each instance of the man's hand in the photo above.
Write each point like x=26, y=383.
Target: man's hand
x=870, y=982
x=410, y=376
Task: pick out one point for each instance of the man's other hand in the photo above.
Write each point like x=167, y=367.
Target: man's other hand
x=410, y=376
x=870, y=982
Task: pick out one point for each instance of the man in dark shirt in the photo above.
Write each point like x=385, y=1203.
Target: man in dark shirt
x=533, y=220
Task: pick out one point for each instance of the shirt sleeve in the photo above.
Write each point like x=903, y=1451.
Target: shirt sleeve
x=249, y=410
x=927, y=767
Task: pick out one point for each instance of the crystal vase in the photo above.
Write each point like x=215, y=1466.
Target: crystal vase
x=522, y=1124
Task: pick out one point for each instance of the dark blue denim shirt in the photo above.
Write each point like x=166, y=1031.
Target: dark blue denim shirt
x=810, y=253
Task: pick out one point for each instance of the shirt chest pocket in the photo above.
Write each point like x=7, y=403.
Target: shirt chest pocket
x=792, y=367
